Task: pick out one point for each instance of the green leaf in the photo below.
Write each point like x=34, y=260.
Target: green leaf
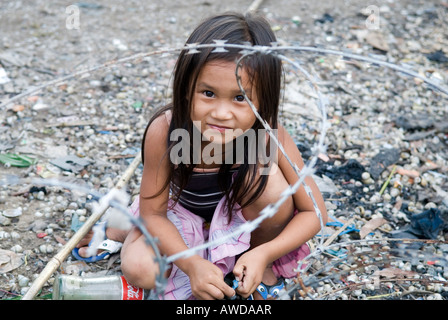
x=16, y=160
x=137, y=105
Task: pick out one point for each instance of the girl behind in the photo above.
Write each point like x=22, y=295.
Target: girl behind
x=186, y=200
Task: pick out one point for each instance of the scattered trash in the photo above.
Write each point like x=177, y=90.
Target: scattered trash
x=437, y=56
x=325, y=18
x=413, y=122
x=350, y=228
x=370, y=226
x=71, y=163
x=76, y=223
x=120, y=45
x=137, y=105
x=3, y=76
x=9, y=260
x=40, y=105
x=12, y=213
x=4, y=145
x=88, y=5
x=38, y=225
x=425, y=225
x=35, y=189
x=16, y=160
x=352, y=169
x=377, y=41
x=325, y=184
x=296, y=20
x=382, y=160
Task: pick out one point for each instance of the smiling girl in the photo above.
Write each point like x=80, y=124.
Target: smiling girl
x=187, y=199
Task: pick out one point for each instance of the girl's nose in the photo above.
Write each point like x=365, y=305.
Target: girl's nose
x=222, y=111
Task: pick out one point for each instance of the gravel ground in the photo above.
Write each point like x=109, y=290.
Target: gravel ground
x=384, y=169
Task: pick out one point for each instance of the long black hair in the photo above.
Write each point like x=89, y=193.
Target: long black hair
x=265, y=72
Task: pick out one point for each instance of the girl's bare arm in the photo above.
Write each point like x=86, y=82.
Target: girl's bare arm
x=305, y=224
x=206, y=279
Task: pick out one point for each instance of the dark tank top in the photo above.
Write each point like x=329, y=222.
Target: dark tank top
x=202, y=193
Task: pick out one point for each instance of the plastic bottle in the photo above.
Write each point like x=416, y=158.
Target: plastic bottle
x=115, y=287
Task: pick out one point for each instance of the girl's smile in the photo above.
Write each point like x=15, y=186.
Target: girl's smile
x=218, y=128
x=218, y=103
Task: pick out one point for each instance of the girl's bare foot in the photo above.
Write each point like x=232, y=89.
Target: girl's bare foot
x=268, y=279
x=111, y=234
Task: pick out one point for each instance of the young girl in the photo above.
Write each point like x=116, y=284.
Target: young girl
x=192, y=192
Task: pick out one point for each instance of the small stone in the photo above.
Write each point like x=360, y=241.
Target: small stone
x=436, y=296
x=296, y=20
x=360, y=210
x=13, y=213
x=352, y=278
x=81, y=212
x=50, y=248
x=38, y=225
x=15, y=235
x=44, y=248
x=17, y=248
x=357, y=293
x=73, y=206
x=121, y=95
x=4, y=235
x=394, y=192
x=365, y=176
x=23, y=280
x=370, y=286
x=38, y=214
x=24, y=290
x=375, y=198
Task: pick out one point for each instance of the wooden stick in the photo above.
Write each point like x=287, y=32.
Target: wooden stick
x=254, y=6
x=57, y=260
x=335, y=234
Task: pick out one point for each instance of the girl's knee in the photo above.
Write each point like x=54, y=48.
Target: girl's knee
x=137, y=274
x=137, y=263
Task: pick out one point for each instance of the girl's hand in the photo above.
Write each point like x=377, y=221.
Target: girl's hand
x=249, y=270
x=207, y=281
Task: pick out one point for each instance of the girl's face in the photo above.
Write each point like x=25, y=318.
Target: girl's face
x=219, y=109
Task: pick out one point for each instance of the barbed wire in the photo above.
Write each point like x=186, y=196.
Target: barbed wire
x=366, y=257
x=270, y=210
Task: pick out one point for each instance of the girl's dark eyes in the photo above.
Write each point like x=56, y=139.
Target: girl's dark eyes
x=240, y=98
x=209, y=93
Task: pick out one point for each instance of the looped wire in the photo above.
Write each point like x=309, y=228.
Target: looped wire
x=269, y=211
